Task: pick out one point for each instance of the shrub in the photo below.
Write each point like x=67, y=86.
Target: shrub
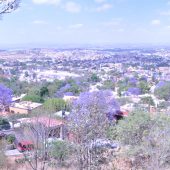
x=10, y=139
x=131, y=130
x=60, y=151
x=3, y=121
x=147, y=138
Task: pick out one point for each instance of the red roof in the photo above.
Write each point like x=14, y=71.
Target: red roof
x=46, y=121
x=125, y=113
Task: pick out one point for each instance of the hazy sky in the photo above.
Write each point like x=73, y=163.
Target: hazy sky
x=87, y=21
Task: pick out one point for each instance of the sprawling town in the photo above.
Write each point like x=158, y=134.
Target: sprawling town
x=46, y=95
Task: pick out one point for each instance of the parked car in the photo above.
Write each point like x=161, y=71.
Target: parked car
x=23, y=146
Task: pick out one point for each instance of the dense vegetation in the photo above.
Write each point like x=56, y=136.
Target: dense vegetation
x=147, y=138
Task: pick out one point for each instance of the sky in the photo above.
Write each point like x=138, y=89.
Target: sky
x=87, y=22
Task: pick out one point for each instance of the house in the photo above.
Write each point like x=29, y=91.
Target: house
x=18, y=98
x=54, y=127
x=25, y=107
x=125, y=113
x=128, y=107
x=69, y=98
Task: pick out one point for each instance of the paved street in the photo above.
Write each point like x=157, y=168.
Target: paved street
x=7, y=132
x=14, y=152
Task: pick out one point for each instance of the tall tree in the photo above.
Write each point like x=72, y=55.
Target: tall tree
x=55, y=104
x=88, y=122
x=38, y=130
x=7, y=6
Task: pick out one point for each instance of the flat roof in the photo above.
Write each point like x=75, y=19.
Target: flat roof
x=18, y=97
x=27, y=105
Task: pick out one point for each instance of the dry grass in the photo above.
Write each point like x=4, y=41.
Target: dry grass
x=12, y=165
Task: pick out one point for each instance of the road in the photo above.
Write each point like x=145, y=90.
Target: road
x=13, y=152
x=7, y=132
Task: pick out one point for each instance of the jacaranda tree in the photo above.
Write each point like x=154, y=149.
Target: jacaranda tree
x=5, y=97
x=88, y=121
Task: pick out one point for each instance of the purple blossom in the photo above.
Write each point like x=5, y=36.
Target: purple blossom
x=65, y=88
x=93, y=103
x=77, y=82
x=160, y=84
x=62, y=90
x=143, y=78
x=5, y=97
x=134, y=91
x=132, y=81
x=68, y=94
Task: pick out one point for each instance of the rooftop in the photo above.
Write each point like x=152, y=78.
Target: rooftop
x=18, y=97
x=46, y=121
x=26, y=105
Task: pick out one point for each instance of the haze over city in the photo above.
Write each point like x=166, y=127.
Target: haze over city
x=51, y=22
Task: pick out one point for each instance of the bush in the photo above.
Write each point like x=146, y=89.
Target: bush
x=3, y=121
x=10, y=139
x=55, y=104
x=61, y=151
x=20, y=160
x=33, y=98
x=131, y=130
x=163, y=92
x=147, y=138
x=4, y=124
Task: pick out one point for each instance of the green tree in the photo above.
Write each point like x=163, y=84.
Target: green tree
x=26, y=74
x=55, y=86
x=131, y=130
x=108, y=84
x=144, y=87
x=33, y=98
x=163, y=92
x=61, y=151
x=148, y=100
x=44, y=91
x=3, y=121
x=75, y=89
x=94, y=78
x=55, y=104
x=164, y=105
x=10, y=139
